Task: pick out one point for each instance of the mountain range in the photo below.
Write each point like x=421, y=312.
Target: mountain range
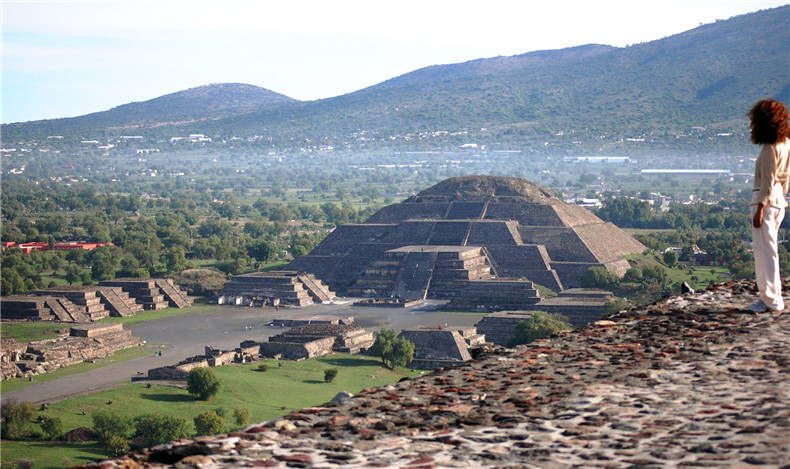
x=705, y=77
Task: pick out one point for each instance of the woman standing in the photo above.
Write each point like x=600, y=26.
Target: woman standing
x=769, y=128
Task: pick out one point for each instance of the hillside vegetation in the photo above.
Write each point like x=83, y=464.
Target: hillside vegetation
x=705, y=77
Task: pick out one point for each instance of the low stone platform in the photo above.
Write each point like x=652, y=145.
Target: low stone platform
x=691, y=381
x=388, y=302
x=316, y=340
x=436, y=347
x=274, y=288
x=314, y=319
x=83, y=342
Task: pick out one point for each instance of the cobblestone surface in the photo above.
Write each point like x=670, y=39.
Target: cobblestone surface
x=691, y=381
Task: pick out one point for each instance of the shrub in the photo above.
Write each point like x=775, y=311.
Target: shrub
x=615, y=305
x=16, y=417
x=539, y=326
x=208, y=423
x=241, y=415
x=52, y=427
x=634, y=274
x=655, y=275
x=330, y=374
x=262, y=367
x=108, y=425
x=156, y=429
x=671, y=259
x=117, y=446
x=203, y=383
x=597, y=277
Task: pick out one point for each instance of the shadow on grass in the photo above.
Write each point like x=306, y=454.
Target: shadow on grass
x=313, y=381
x=349, y=362
x=168, y=397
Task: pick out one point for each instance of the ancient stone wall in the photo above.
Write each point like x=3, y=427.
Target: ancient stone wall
x=297, y=351
x=81, y=344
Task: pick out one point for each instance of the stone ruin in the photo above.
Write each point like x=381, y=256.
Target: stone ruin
x=313, y=319
x=211, y=358
x=316, y=340
x=153, y=293
x=274, y=289
x=581, y=306
x=468, y=239
x=83, y=342
x=691, y=381
x=83, y=304
x=438, y=347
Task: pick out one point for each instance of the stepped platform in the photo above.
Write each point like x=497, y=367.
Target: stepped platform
x=526, y=232
x=152, y=294
x=437, y=347
x=274, y=288
x=82, y=343
x=500, y=327
x=26, y=307
x=87, y=305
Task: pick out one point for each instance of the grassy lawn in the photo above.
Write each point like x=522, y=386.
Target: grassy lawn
x=267, y=395
x=29, y=331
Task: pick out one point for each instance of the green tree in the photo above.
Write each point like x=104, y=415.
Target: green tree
x=597, y=277
x=394, y=351
x=117, y=446
x=330, y=374
x=16, y=416
x=633, y=274
x=540, y=325
x=52, y=427
x=655, y=274
x=11, y=282
x=208, y=423
x=108, y=425
x=241, y=415
x=263, y=251
x=203, y=383
x=73, y=273
x=156, y=429
x=671, y=259
x=175, y=259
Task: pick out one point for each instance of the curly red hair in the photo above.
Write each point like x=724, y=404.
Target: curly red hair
x=770, y=122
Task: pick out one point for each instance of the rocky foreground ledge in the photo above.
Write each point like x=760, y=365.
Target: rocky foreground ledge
x=691, y=381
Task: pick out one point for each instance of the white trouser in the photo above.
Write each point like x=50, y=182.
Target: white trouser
x=766, y=256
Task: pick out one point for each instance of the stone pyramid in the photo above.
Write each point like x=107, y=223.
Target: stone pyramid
x=524, y=232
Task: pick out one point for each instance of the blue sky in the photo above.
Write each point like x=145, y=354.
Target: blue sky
x=64, y=58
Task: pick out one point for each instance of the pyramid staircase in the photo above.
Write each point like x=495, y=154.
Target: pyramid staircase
x=317, y=289
x=118, y=302
x=283, y=287
x=175, y=296
x=64, y=310
x=144, y=292
x=422, y=271
x=82, y=303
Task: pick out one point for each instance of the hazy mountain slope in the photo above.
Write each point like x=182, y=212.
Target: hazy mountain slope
x=191, y=105
x=708, y=76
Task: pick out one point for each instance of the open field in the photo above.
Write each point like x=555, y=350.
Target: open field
x=267, y=395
